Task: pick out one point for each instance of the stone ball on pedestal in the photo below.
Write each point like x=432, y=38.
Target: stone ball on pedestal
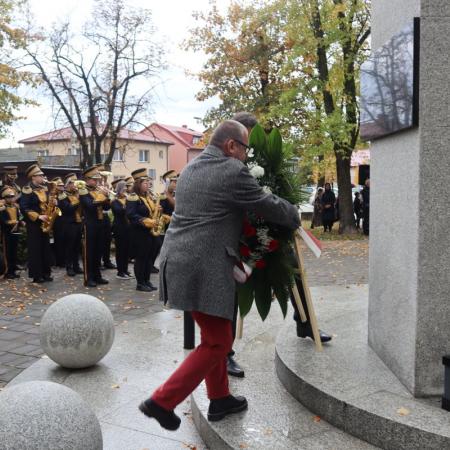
x=41, y=415
x=77, y=331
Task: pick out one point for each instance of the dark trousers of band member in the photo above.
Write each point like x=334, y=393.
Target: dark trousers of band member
x=122, y=241
x=10, y=242
x=72, y=245
x=39, y=257
x=143, y=244
x=157, y=244
x=107, y=238
x=93, y=247
x=58, y=242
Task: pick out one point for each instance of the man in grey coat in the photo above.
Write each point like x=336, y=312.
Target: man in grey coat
x=196, y=271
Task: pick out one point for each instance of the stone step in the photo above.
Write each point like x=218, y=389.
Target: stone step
x=274, y=420
x=350, y=387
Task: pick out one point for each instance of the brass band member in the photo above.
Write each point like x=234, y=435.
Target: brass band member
x=107, y=229
x=121, y=229
x=94, y=200
x=130, y=185
x=140, y=209
x=10, y=222
x=58, y=229
x=69, y=203
x=35, y=205
x=9, y=179
x=168, y=202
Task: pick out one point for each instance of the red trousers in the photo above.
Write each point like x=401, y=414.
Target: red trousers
x=206, y=362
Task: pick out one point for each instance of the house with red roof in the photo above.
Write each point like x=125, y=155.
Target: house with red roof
x=134, y=151
x=187, y=143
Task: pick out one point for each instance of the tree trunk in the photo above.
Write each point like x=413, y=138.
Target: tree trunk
x=346, y=217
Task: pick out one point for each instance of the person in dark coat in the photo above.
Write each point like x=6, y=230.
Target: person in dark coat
x=317, y=213
x=121, y=230
x=140, y=210
x=366, y=206
x=69, y=203
x=58, y=230
x=328, y=201
x=34, y=204
x=357, y=210
x=10, y=222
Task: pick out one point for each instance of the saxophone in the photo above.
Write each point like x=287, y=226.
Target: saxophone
x=52, y=211
x=159, y=218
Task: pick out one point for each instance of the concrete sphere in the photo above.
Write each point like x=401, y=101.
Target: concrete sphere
x=40, y=415
x=77, y=331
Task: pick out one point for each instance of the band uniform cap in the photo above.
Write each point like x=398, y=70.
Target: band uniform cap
x=58, y=181
x=92, y=172
x=129, y=181
x=113, y=183
x=70, y=178
x=11, y=170
x=33, y=170
x=7, y=192
x=140, y=174
x=170, y=175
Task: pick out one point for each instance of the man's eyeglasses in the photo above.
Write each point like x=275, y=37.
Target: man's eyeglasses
x=247, y=147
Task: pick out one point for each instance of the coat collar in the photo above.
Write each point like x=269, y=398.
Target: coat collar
x=214, y=151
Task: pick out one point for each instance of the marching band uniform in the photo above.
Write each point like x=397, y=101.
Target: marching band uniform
x=58, y=230
x=121, y=233
x=9, y=180
x=93, y=202
x=34, y=203
x=139, y=210
x=69, y=203
x=9, y=219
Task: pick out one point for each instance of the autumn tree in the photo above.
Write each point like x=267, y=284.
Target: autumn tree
x=12, y=74
x=101, y=80
x=296, y=65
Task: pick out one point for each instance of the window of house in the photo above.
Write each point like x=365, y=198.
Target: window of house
x=74, y=151
x=43, y=153
x=195, y=140
x=118, y=155
x=152, y=173
x=161, y=154
x=144, y=156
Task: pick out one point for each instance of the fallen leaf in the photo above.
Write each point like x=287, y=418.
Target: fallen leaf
x=403, y=411
x=243, y=445
x=317, y=419
x=115, y=386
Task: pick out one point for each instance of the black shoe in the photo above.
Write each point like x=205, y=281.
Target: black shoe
x=10, y=276
x=305, y=331
x=154, y=270
x=233, y=368
x=16, y=275
x=221, y=407
x=143, y=288
x=151, y=286
x=101, y=281
x=90, y=283
x=167, y=419
x=109, y=265
x=78, y=270
x=38, y=280
x=48, y=278
x=70, y=272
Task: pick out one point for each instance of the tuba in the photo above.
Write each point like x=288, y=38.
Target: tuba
x=52, y=211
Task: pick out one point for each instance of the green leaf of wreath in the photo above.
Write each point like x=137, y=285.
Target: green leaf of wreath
x=263, y=294
x=246, y=294
x=258, y=140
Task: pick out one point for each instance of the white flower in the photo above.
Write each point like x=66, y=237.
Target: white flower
x=267, y=190
x=256, y=171
x=250, y=153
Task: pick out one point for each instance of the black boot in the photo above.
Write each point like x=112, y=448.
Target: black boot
x=233, y=368
x=304, y=331
x=70, y=272
x=143, y=288
x=167, y=419
x=222, y=407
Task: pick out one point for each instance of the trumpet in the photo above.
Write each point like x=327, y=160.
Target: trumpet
x=108, y=192
x=80, y=184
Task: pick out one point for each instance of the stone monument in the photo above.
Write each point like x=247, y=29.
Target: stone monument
x=409, y=274
x=77, y=331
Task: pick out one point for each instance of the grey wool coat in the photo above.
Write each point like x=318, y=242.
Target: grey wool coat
x=202, y=242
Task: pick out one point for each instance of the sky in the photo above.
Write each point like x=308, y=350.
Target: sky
x=176, y=103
